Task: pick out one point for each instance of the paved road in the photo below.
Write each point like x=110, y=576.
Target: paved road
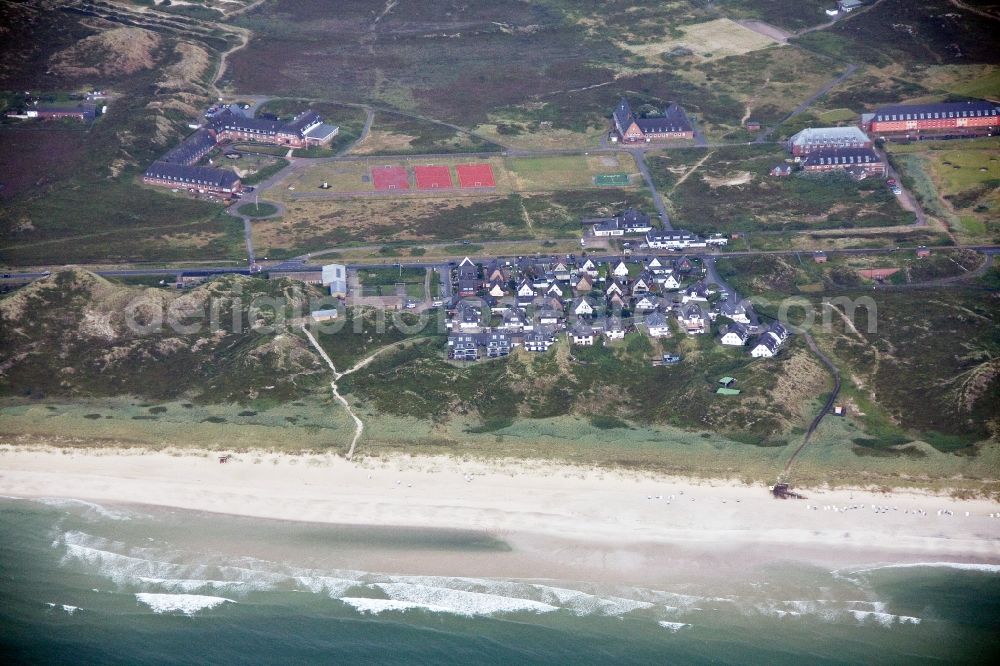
x=300, y=264
x=640, y=160
x=906, y=198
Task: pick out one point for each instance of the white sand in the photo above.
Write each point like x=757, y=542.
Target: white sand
x=612, y=509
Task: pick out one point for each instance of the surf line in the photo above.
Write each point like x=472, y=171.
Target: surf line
x=359, y=426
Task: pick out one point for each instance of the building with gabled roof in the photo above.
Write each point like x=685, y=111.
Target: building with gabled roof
x=948, y=118
x=208, y=179
x=673, y=124
x=812, y=139
x=843, y=159
x=735, y=335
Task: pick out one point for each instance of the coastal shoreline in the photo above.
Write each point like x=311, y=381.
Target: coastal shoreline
x=536, y=505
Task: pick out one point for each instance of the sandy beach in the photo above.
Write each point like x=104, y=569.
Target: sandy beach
x=640, y=518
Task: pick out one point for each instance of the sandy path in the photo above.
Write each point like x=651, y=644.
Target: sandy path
x=359, y=426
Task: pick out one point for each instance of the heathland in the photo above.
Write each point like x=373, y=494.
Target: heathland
x=501, y=79
x=76, y=373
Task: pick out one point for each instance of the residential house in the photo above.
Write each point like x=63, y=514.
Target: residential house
x=525, y=292
x=497, y=343
x=496, y=289
x=582, y=334
x=539, y=340
x=692, y=319
x=561, y=272
x=590, y=268
x=655, y=266
x=620, y=270
x=646, y=303
x=769, y=342
x=584, y=283
x=819, y=256
x=670, y=281
x=734, y=309
x=631, y=221
x=696, y=292
x=643, y=284
x=616, y=287
x=616, y=302
x=555, y=290
x=683, y=265
x=468, y=277
x=468, y=317
x=674, y=240
x=735, y=335
x=782, y=170
x=547, y=315
x=463, y=346
x=766, y=346
x=613, y=328
x=494, y=272
x=515, y=320
x=657, y=325
x=583, y=306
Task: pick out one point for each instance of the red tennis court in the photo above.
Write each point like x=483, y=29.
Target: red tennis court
x=475, y=175
x=432, y=177
x=390, y=178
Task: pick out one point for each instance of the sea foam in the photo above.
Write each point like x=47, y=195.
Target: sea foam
x=885, y=619
x=963, y=566
x=673, y=627
x=376, y=606
x=461, y=602
x=91, y=507
x=189, y=604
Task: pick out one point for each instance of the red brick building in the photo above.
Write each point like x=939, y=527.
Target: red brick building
x=306, y=129
x=854, y=160
x=946, y=118
x=673, y=124
x=182, y=176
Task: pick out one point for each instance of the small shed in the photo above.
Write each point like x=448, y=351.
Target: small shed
x=323, y=315
x=923, y=252
x=753, y=126
x=819, y=257
x=782, y=170
x=727, y=381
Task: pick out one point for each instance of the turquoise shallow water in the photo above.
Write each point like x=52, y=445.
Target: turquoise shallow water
x=82, y=583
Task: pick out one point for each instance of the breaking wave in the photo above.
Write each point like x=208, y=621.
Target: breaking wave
x=188, y=604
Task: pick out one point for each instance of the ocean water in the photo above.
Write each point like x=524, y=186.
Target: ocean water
x=83, y=583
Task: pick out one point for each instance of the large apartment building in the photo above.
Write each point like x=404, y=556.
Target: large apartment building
x=305, y=129
x=945, y=118
x=864, y=161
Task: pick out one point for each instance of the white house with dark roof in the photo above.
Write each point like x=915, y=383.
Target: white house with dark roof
x=735, y=335
x=646, y=303
x=657, y=325
x=692, y=318
x=582, y=334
